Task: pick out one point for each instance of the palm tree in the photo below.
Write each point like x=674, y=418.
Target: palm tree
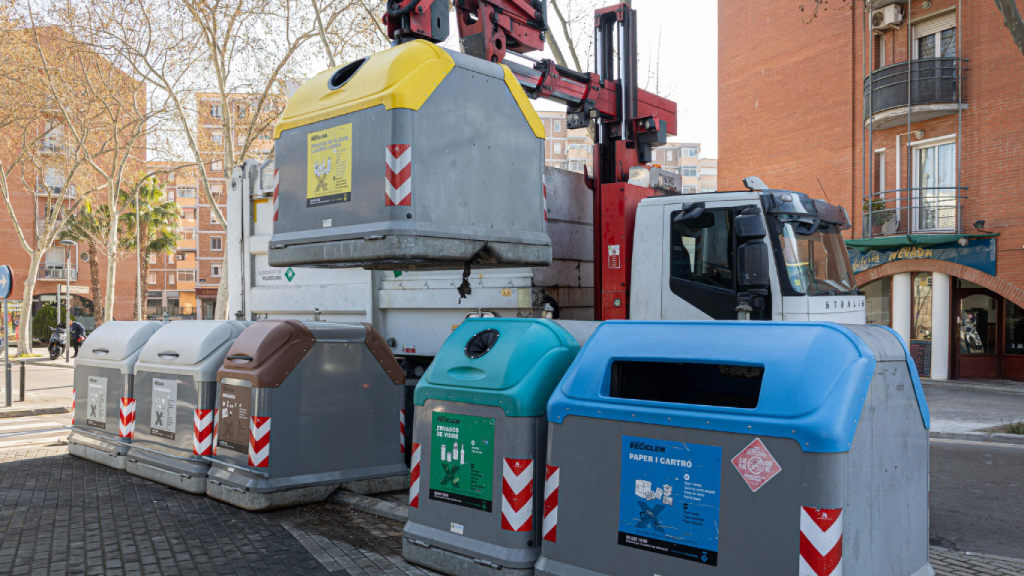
x=157, y=222
x=91, y=227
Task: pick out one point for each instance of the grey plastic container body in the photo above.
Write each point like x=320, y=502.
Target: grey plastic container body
x=103, y=376
x=477, y=187
x=334, y=420
x=881, y=484
x=484, y=547
x=175, y=377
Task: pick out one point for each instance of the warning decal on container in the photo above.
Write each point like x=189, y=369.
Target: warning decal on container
x=462, y=460
x=613, y=256
x=165, y=404
x=233, y=426
x=756, y=464
x=97, y=403
x=669, y=498
x=329, y=166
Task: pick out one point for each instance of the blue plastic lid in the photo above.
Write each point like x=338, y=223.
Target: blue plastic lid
x=815, y=378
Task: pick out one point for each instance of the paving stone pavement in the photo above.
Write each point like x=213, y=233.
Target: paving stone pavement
x=61, y=515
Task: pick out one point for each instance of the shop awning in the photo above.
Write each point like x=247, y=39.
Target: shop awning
x=884, y=242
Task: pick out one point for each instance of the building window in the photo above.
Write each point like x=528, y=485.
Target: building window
x=215, y=110
x=689, y=152
x=1014, y=328
x=558, y=126
x=152, y=258
x=213, y=216
x=186, y=193
x=688, y=171
x=217, y=139
x=170, y=278
x=151, y=278
x=935, y=194
x=576, y=165
x=708, y=189
x=187, y=233
x=556, y=147
x=669, y=155
x=170, y=258
x=936, y=38
x=216, y=243
x=689, y=189
x=878, y=295
x=215, y=270
x=170, y=195
x=219, y=164
x=186, y=275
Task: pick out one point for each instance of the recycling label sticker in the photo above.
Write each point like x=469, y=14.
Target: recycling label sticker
x=669, y=498
x=462, y=460
x=162, y=412
x=97, y=403
x=329, y=166
x=233, y=423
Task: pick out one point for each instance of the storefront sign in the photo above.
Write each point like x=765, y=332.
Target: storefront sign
x=206, y=292
x=979, y=254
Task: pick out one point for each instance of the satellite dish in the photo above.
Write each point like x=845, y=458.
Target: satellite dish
x=85, y=256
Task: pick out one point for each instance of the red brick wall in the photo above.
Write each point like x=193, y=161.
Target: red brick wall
x=791, y=107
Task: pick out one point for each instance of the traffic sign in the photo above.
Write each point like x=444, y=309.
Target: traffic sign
x=6, y=280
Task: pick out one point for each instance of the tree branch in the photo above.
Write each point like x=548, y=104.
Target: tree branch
x=1013, y=21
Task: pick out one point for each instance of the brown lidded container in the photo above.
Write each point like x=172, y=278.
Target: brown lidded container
x=303, y=408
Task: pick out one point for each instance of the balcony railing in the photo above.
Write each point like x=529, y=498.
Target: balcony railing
x=177, y=312
x=914, y=211
x=926, y=84
x=55, y=191
x=47, y=273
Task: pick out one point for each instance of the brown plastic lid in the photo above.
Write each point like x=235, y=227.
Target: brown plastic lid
x=266, y=352
x=378, y=346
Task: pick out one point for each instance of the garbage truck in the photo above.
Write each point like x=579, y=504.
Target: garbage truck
x=407, y=189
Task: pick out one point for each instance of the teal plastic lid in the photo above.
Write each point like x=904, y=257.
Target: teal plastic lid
x=513, y=363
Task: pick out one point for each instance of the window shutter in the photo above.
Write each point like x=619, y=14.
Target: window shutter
x=935, y=25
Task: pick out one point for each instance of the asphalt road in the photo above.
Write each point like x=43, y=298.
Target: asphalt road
x=41, y=379
x=959, y=410
x=977, y=497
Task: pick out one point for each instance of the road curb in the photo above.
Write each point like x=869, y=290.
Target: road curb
x=962, y=386
x=48, y=364
x=35, y=412
x=371, y=505
x=979, y=437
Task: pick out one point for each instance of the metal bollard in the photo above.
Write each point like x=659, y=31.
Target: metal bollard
x=22, y=381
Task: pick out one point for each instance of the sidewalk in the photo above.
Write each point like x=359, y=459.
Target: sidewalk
x=43, y=358
x=966, y=412
x=35, y=404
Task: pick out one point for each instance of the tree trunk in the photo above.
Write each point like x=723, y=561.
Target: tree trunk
x=94, y=280
x=108, y=301
x=25, y=318
x=221, y=312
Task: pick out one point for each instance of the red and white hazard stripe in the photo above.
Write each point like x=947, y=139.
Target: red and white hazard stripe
x=277, y=190
x=549, y=528
x=398, y=175
x=517, y=494
x=414, y=478
x=216, y=424
x=545, y=202
x=401, y=429
x=127, y=417
x=821, y=541
x=202, y=432
x=72, y=405
x=259, y=441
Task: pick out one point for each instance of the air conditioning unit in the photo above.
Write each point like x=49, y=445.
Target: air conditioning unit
x=888, y=18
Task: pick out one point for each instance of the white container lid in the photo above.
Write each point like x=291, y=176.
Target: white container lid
x=190, y=347
x=116, y=345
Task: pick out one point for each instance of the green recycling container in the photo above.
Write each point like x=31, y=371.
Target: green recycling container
x=479, y=445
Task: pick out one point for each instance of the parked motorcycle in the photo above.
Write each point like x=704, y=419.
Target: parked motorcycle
x=58, y=342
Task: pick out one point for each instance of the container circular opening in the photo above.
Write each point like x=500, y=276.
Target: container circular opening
x=481, y=343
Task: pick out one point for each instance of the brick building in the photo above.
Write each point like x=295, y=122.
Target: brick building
x=910, y=115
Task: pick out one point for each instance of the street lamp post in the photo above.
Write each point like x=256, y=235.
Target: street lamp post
x=67, y=298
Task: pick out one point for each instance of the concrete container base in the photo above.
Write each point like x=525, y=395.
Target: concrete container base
x=193, y=482
x=99, y=450
x=263, y=501
x=377, y=485
x=447, y=562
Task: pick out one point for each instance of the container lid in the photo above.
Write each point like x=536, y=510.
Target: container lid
x=800, y=380
x=267, y=351
x=189, y=342
x=116, y=341
x=513, y=363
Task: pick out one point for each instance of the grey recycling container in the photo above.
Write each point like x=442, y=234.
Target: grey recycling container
x=479, y=444
x=303, y=408
x=737, y=448
x=175, y=390
x=416, y=157
x=103, y=422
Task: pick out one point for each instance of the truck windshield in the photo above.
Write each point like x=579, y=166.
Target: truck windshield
x=816, y=264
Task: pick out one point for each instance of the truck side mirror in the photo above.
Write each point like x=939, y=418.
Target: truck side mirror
x=749, y=225
x=752, y=265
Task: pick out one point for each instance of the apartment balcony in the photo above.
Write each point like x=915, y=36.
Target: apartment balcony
x=186, y=264
x=57, y=273
x=914, y=211
x=187, y=244
x=55, y=191
x=929, y=88
x=173, y=312
x=41, y=226
x=187, y=223
x=184, y=286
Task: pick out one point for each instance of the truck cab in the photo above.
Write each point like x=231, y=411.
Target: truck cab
x=776, y=254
